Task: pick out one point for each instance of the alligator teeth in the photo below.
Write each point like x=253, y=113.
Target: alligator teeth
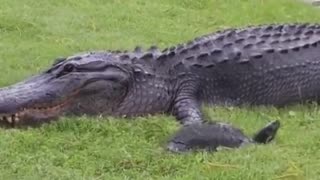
x=16, y=119
x=9, y=119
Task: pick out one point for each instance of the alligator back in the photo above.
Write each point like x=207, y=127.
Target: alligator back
x=274, y=64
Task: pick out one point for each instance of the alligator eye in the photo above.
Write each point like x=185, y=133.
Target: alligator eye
x=68, y=68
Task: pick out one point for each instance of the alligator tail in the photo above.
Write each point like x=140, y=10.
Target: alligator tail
x=267, y=133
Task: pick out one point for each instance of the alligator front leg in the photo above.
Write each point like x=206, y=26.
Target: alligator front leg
x=198, y=134
x=187, y=110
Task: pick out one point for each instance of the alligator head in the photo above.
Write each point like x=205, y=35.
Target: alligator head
x=83, y=84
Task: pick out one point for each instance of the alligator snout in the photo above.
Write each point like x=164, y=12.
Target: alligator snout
x=28, y=103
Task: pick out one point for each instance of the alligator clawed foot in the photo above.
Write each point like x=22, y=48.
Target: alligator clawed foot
x=207, y=136
x=213, y=136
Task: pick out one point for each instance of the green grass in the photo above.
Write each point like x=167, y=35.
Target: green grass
x=33, y=33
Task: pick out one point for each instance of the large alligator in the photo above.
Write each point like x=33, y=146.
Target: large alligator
x=258, y=65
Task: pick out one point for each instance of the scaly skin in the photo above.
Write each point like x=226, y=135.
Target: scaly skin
x=263, y=65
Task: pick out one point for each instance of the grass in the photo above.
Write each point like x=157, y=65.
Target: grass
x=33, y=33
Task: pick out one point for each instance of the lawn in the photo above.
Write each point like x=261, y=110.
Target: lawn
x=33, y=33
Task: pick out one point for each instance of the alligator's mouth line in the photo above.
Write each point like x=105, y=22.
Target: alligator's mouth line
x=36, y=112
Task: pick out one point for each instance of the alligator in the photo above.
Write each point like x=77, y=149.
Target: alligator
x=270, y=65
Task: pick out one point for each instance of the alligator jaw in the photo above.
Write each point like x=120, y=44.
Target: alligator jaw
x=31, y=116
